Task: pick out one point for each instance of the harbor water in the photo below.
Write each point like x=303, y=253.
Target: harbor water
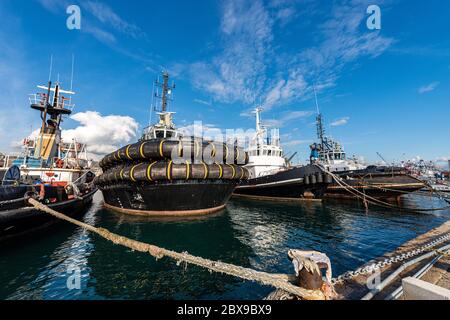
x=250, y=234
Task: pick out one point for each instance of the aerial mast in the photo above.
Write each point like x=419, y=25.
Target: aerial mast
x=166, y=91
x=258, y=119
x=319, y=122
x=165, y=117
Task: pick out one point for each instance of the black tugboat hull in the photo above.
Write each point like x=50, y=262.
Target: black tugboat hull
x=289, y=185
x=168, y=198
x=380, y=185
x=23, y=219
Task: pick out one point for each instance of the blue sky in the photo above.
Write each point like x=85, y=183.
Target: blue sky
x=380, y=90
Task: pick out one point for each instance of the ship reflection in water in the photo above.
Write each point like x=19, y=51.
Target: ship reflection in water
x=247, y=233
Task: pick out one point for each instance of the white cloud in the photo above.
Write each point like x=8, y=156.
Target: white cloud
x=200, y=101
x=105, y=25
x=297, y=115
x=101, y=11
x=340, y=122
x=102, y=134
x=341, y=43
x=286, y=90
x=108, y=16
x=285, y=11
x=99, y=34
x=238, y=72
x=252, y=65
x=54, y=6
x=212, y=132
x=429, y=87
x=286, y=14
x=206, y=131
x=287, y=117
x=294, y=143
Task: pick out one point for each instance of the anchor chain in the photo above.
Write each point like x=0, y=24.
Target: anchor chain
x=387, y=262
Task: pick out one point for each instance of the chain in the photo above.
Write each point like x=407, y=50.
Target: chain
x=387, y=262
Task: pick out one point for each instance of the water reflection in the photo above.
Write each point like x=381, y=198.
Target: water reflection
x=134, y=274
x=247, y=233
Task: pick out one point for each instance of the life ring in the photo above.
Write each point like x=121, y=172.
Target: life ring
x=59, y=163
x=49, y=174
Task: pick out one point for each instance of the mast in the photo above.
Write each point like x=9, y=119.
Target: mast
x=71, y=78
x=320, y=129
x=166, y=91
x=165, y=127
x=258, y=119
x=319, y=122
x=51, y=115
x=46, y=101
x=260, y=130
x=44, y=119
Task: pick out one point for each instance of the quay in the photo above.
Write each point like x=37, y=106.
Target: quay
x=439, y=274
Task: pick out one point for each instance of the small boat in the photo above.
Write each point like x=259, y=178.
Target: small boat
x=432, y=176
x=3, y=165
x=271, y=175
x=167, y=173
x=383, y=182
x=436, y=185
x=440, y=186
x=50, y=170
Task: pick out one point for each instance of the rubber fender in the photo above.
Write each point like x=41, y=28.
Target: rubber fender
x=168, y=170
x=319, y=177
x=178, y=151
x=307, y=180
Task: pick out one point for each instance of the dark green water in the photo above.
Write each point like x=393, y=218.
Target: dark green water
x=249, y=234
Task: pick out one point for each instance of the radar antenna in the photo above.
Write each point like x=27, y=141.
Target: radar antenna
x=166, y=92
x=319, y=121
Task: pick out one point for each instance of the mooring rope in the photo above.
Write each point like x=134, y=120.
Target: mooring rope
x=440, y=193
x=217, y=266
x=5, y=202
x=430, y=193
x=368, y=199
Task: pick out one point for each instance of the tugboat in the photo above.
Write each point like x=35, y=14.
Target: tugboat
x=271, y=175
x=169, y=174
x=3, y=165
x=49, y=170
x=382, y=182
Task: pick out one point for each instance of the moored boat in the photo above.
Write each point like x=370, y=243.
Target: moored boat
x=383, y=182
x=271, y=175
x=49, y=170
x=167, y=173
x=433, y=177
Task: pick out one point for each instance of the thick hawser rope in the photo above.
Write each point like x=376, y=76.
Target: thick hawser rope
x=276, y=281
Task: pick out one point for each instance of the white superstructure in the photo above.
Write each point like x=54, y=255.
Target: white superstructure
x=265, y=153
x=333, y=157
x=46, y=158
